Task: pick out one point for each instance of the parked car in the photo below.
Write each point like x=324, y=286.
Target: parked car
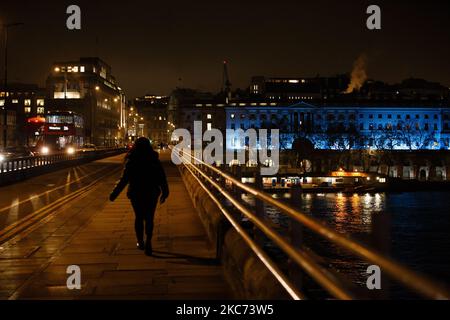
x=88, y=147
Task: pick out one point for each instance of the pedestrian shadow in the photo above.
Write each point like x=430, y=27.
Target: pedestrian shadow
x=188, y=259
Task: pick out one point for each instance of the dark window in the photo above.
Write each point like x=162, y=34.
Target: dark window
x=361, y=116
x=371, y=126
x=370, y=116
x=435, y=127
x=435, y=117
x=426, y=116
x=426, y=127
x=389, y=116
x=408, y=116
x=417, y=116
x=361, y=126
x=399, y=116
x=380, y=127
x=380, y=116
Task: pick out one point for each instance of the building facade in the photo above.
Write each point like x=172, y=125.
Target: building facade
x=187, y=106
x=385, y=127
x=152, y=110
x=88, y=88
x=298, y=88
x=22, y=102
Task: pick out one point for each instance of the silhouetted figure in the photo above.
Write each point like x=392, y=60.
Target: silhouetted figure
x=147, y=182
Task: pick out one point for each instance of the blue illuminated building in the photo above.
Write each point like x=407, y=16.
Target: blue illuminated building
x=348, y=127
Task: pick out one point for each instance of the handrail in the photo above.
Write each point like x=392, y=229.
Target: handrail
x=408, y=278
x=284, y=281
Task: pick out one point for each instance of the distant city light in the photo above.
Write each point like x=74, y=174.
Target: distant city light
x=97, y=88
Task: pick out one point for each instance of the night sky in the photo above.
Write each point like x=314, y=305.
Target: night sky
x=154, y=46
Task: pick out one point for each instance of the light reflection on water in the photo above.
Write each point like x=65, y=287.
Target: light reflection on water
x=419, y=227
x=346, y=213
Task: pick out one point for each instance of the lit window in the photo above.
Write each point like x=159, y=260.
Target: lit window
x=82, y=69
x=160, y=118
x=27, y=109
x=209, y=116
x=68, y=95
x=208, y=126
x=2, y=103
x=27, y=102
x=15, y=101
x=40, y=102
x=232, y=116
x=40, y=110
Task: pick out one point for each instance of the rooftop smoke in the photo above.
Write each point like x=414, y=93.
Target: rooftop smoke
x=359, y=74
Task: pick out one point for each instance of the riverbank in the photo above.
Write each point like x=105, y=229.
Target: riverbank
x=393, y=185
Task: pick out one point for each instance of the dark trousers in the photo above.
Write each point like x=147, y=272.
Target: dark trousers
x=144, y=211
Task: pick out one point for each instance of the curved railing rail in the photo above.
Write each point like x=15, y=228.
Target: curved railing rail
x=208, y=175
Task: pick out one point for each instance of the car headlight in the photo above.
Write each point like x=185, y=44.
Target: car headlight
x=45, y=150
x=70, y=150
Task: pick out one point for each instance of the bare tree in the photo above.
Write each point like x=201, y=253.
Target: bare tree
x=414, y=137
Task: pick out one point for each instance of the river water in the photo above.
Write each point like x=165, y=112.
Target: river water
x=416, y=229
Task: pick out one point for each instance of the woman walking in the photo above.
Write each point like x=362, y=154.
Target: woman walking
x=147, y=183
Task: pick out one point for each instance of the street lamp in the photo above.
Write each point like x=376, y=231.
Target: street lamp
x=6, y=26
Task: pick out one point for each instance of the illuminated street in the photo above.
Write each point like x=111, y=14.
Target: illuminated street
x=98, y=236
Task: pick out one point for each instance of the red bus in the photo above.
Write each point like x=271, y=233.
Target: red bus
x=61, y=131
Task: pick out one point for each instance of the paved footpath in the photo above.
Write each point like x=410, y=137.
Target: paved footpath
x=98, y=236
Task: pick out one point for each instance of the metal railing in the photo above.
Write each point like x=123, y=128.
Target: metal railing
x=25, y=163
x=209, y=176
x=13, y=170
